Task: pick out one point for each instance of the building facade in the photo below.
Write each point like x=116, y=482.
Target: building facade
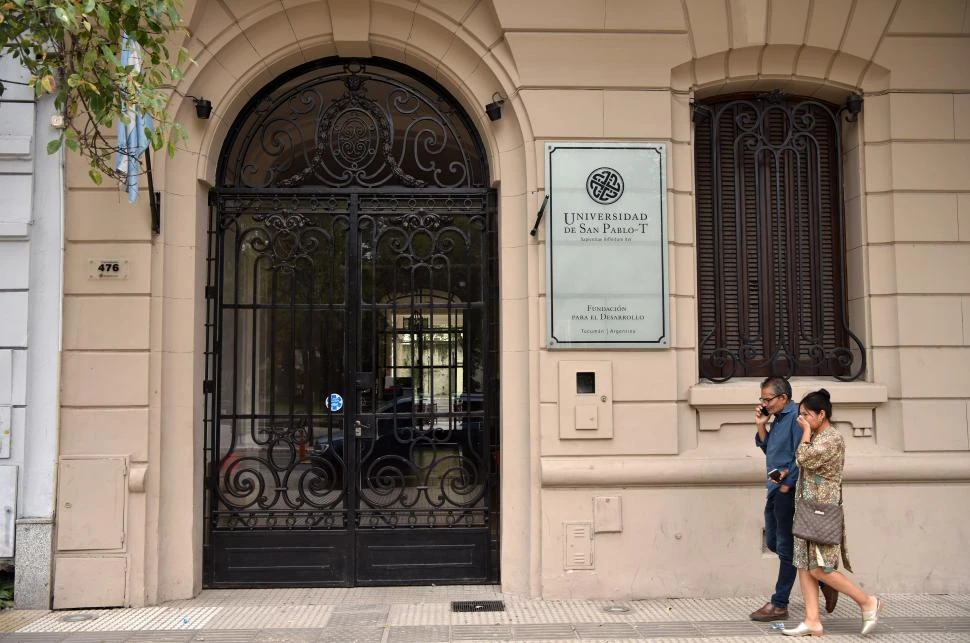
x=330, y=364
x=31, y=247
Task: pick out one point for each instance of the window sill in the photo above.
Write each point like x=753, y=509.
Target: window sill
x=734, y=402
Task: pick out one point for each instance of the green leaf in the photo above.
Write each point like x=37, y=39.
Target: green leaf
x=62, y=16
x=109, y=54
x=103, y=17
x=95, y=176
x=53, y=146
x=157, y=138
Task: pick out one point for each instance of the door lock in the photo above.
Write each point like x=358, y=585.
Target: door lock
x=359, y=428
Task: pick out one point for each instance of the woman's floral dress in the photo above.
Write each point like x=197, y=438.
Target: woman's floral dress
x=820, y=463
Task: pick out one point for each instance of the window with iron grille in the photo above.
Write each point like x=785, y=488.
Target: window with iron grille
x=770, y=248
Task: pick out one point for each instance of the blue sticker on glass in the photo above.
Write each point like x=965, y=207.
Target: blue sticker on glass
x=335, y=402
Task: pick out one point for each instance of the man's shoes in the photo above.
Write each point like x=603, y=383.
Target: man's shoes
x=770, y=613
x=831, y=598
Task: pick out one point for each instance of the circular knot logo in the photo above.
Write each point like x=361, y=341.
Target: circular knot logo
x=604, y=185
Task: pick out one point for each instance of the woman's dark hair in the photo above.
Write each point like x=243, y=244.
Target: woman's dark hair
x=818, y=401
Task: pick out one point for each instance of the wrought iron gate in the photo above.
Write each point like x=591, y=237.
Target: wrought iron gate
x=351, y=338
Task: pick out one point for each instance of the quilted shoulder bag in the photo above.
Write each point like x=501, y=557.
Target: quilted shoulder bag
x=818, y=522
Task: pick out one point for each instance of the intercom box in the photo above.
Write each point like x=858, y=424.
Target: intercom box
x=585, y=400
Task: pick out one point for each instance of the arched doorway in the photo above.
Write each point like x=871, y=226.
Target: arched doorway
x=351, y=360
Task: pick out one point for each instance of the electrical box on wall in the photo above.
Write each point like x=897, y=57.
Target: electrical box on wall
x=585, y=400
x=91, y=503
x=577, y=545
x=8, y=509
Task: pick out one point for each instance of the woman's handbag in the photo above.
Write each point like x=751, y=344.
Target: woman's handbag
x=818, y=522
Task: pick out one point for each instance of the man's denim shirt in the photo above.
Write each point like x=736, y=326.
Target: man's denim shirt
x=780, y=445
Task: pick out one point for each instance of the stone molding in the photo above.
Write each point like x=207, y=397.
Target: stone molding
x=673, y=471
x=733, y=402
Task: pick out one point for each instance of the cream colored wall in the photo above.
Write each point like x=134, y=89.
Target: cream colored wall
x=917, y=176
x=681, y=460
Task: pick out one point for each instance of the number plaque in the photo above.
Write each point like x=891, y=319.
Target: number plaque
x=108, y=269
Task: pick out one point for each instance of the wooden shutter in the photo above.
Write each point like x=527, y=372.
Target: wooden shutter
x=771, y=293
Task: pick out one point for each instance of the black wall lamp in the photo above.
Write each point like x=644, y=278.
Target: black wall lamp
x=203, y=108
x=699, y=113
x=853, y=105
x=494, y=109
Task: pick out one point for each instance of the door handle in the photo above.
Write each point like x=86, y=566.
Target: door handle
x=359, y=428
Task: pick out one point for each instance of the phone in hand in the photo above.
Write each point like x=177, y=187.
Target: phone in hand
x=764, y=411
x=775, y=475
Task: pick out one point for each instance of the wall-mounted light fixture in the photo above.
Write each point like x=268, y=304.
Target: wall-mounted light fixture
x=494, y=109
x=853, y=106
x=203, y=108
x=699, y=113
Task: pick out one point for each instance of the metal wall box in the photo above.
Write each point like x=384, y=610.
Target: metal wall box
x=585, y=400
x=91, y=503
x=8, y=509
x=577, y=545
x=607, y=514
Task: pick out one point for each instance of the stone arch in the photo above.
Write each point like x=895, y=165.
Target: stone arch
x=452, y=56
x=810, y=71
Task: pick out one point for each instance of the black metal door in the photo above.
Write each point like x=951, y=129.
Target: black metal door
x=350, y=423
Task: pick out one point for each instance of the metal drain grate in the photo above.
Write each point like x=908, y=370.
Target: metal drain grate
x=77, y=618
x=477, y=606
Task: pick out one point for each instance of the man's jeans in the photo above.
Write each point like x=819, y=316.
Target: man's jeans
x=779, y=513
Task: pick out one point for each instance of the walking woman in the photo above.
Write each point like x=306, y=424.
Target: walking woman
x=821, y=458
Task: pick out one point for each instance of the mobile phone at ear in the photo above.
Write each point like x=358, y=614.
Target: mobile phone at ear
x=764, y=411
x=775, y=475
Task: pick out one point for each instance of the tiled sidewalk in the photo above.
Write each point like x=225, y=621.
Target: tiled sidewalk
x=424, y=615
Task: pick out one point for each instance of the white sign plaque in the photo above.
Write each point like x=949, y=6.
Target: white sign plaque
x=606, y=245
x=107, y=269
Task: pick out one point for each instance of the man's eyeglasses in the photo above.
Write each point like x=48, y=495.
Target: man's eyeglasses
x=765, y=400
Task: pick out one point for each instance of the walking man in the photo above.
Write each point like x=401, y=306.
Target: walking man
x=779, y=442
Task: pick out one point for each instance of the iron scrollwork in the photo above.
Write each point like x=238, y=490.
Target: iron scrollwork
x=361, y=127
x=351, y=217
x=271, y=485
x=774, y=236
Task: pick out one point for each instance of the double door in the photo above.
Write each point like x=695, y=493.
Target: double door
x=351, y=391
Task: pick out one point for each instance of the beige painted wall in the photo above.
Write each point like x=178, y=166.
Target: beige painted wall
x=681, y=463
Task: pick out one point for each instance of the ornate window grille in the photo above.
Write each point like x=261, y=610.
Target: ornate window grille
x=770, y=245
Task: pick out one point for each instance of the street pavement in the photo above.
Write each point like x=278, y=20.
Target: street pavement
x=427, y=615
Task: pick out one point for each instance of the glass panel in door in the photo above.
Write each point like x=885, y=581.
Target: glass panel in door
x=422, y=456
x=281, y=452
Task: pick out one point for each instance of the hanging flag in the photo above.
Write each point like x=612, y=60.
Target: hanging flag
x=132, y=139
